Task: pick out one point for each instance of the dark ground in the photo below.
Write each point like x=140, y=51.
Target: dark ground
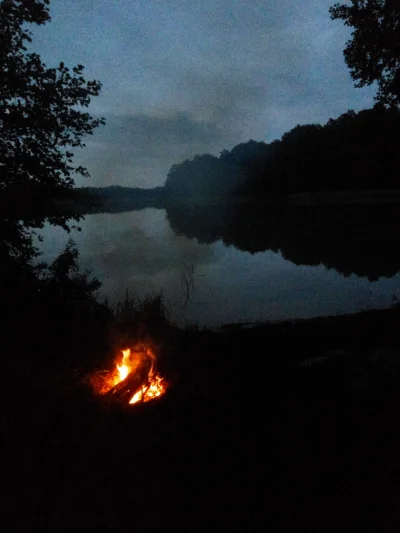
x=288, y=427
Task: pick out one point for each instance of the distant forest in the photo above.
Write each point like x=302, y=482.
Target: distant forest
x=356, y=151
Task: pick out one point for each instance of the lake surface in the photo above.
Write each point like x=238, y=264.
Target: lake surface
x=234, y=275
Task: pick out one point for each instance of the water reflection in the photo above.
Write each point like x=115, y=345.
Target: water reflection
x=145, y=251
x=357, y=239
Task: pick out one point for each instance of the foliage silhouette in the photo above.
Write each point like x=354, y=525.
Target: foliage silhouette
x=356, y=151
x=204, y=176
x=373, y=53
x=41, y=119
x=53, y=315
x=64, y=281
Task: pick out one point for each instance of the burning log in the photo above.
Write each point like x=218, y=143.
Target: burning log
x=135, y=379
x=123, y=391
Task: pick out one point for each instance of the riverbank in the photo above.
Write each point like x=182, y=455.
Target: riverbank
x=278, y=427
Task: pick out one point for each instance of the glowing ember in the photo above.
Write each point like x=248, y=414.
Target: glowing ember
x=155, y=388
x=154, y=385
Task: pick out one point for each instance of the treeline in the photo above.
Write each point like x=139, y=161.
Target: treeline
x=118, y=193
x=356, y=151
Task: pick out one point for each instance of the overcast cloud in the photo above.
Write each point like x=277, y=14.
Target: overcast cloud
x=182, y=77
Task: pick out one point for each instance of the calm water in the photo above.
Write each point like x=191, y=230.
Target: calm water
x=138, y=251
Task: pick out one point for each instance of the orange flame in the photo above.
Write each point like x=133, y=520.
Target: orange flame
x=154, y=387
x=124, y=368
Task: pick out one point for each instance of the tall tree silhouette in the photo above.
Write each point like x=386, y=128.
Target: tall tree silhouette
x=41, y=119
x=373, y=53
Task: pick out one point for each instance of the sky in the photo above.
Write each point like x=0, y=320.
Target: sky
x=182, y=78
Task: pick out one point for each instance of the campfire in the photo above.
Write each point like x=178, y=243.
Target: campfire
x=134, y=378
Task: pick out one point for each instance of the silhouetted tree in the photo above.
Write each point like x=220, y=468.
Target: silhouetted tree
x=250, y=158
x=63, y=280
x=373, y=53
x=355, y=151
x=204, y=176
x=41, y=118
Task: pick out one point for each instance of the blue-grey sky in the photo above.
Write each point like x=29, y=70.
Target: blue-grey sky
x=182, y=77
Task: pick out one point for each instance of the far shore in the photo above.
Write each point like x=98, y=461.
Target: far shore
x=130, y=199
